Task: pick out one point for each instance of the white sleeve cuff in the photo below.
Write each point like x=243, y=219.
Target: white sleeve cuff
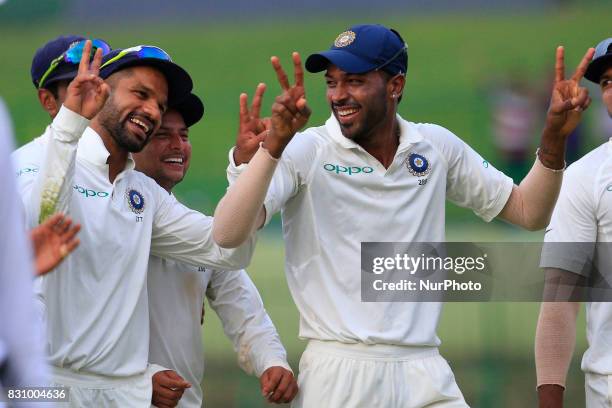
x=232, y=170
x=68, y=125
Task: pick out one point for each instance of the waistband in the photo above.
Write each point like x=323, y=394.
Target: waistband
x=362, y=351
x=72, y=378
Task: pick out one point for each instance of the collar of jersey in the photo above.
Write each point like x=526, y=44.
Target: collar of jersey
x=408, y=134
x=92, y=149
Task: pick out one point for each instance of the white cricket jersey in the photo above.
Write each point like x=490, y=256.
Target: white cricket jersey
x=333, y=195
x=176, y=298
x=96, y=300
x=584, y=214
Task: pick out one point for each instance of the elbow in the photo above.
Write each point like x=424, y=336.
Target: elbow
x=535, y=225
x=227, y=237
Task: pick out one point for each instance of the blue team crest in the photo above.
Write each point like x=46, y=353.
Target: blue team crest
x=135, y=200
x=417, y=164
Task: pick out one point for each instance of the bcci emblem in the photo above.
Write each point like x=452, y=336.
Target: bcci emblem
x=135, y=200
x=344, y=39
x=417, y=165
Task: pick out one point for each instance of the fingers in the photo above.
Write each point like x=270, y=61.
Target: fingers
x=84, y=63
x=580, y=99
x=298, y=71
x=584, y=63
x=283, y=386
x=291, y=392
x=244, y=110
x=257, y=99
x=280, y=73
x=269, y=381
x=96, y=63
x=175, y=381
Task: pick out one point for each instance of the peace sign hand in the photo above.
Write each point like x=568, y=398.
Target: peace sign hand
x=87, y=92
x=568, y=99
x=251, y=130
x=290, y=111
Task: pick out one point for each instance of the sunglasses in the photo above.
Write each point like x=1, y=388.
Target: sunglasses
x=141, y=51
x=73, y=56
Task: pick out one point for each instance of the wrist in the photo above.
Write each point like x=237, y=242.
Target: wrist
x=275, y=148
x=550, y=396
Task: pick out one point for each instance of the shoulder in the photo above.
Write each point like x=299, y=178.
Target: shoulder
x=438, y=136
x=588, y=169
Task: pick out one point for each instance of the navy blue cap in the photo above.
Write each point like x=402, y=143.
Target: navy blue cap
x=179, y=81
x=602, y=60
x=364, y=48
x=191, y=109
x=47, y=53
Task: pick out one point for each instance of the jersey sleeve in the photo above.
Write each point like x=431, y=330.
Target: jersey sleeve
x=48, y=189
x=292, y=172
x=569, y=242
x=185, y=235
x=471, y=182
x=245, y=321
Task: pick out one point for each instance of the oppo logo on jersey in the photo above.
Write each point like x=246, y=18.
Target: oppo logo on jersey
x=27, y=170
x=336, y=168
x=90, y=193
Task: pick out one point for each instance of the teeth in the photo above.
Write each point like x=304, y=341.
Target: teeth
x=174, y=160
x=140, y=123
x=346, y=112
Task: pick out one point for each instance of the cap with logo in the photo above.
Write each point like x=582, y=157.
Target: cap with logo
x=179, y=81
x=601, y=61
x=59, y=59
x=364, y=48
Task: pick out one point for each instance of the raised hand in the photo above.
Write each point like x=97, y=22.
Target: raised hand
x=251, y=130
x=290, y=111
x=568, y=99
x=52, y=241
x=87, y=92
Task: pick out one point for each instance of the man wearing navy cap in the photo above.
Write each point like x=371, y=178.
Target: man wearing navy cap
x=176, y=300
x=96, y=303
x=368, y=175
x=582, y=215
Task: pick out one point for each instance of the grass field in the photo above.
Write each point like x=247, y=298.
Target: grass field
x=453, y=59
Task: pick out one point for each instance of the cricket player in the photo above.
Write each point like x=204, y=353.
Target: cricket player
x=96, y=302
x=176, y=293
x=581, y=216
x=378, y=354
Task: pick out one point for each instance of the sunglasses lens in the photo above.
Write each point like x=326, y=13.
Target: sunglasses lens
x=74, y=54
x=153, y=52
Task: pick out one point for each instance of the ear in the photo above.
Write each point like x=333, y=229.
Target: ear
x=395, y=86
x=48, y=102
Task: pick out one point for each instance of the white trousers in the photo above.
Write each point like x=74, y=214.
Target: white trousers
x=598, y=390
x=91, y=390
x=338, y=375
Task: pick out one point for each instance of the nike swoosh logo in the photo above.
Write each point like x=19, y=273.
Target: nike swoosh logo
x=547, y=231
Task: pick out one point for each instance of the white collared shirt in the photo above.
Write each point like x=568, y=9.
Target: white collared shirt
x=583, y=214
x=333, y=196
x=96, y=301
x=175, y=308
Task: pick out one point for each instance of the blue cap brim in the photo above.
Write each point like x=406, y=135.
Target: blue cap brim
x=346, y=61
x=597, y=67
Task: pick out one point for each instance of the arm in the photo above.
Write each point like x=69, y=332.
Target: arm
x=531, y=203
x=245, y=321
x=85, y=97
x=554, y=346
x=241, y=209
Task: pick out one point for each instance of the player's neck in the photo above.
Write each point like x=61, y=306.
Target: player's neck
x=383, y=143
x=118, y=156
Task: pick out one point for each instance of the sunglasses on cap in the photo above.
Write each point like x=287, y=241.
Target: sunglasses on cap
x=73, y=56
x=141, y=51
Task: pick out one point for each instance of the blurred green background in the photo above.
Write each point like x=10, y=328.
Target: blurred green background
x=455, y=61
